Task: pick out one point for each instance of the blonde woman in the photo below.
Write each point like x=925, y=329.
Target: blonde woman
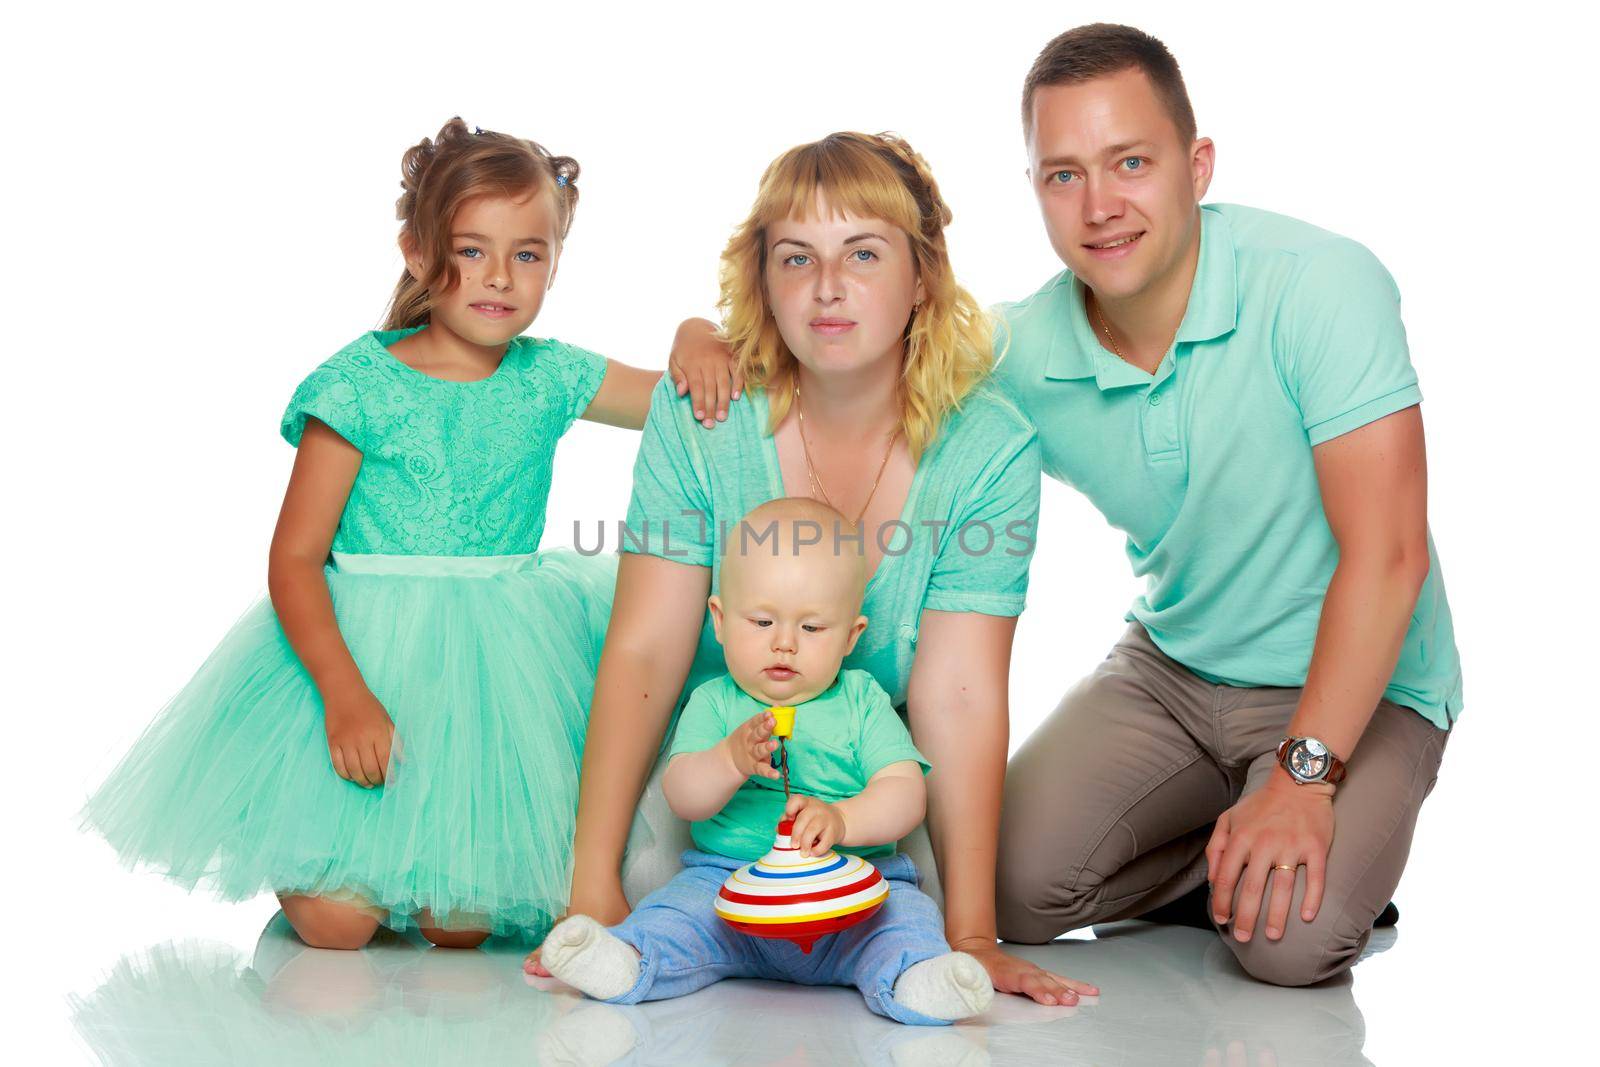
x=864, y=366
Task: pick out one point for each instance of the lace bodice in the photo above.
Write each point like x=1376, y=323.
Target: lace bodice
x=448, y=468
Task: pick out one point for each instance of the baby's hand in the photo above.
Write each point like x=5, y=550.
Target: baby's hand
x=360, y=736
x=818, y=825
x=750, y=746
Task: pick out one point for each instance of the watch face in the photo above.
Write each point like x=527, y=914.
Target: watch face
x=1308, y=759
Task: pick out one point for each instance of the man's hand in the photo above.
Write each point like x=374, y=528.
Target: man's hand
x=1013, y=974
x=1257, y=846
x=818, y=825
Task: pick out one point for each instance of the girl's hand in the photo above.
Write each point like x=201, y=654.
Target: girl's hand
x=1012, y=974
x=360, y=735
x=818, y=825
x=751, y=746
x=702, y=365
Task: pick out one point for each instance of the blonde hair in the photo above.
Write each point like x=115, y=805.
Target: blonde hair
x=949, y=338
x=437, y=176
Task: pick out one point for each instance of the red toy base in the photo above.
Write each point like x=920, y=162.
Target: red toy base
x=803, y=934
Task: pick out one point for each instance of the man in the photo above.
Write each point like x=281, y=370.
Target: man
x=1232, y=389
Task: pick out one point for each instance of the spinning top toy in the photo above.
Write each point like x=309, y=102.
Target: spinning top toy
x=800, y=898
x=793, y=897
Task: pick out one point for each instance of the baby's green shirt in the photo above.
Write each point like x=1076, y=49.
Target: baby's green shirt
x=842, y=737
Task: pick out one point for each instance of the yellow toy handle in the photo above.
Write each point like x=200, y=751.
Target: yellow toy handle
x=785, y=721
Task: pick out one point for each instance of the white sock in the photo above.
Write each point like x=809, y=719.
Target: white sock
x=590, y=1035
x=590, y=958
x=952, y=986
x=937, y=1046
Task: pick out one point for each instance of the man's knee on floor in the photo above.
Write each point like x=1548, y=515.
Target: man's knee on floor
x=1295, y=960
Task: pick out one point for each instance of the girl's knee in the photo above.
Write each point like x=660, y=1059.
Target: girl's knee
x=463, y=937
x=454, y=938
x=323, y=923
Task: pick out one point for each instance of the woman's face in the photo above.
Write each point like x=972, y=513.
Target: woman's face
x=841, y=289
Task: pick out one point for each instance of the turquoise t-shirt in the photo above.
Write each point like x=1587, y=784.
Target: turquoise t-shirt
x=842, y=737
x=1292, y=337
x=964, y=544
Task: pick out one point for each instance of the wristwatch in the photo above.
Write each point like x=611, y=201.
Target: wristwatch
x=1308, y=760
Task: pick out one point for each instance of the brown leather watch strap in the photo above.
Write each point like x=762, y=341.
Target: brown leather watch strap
x=1336, y=769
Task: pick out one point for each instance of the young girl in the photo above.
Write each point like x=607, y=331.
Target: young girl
x=397, y=735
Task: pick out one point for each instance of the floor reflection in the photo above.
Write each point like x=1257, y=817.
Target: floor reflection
x=1171, y=995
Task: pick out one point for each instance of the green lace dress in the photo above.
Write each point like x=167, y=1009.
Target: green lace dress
x=482, y=649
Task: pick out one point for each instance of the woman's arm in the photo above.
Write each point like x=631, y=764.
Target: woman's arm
x=649, y=647
x=359, y=730
x=960, y=719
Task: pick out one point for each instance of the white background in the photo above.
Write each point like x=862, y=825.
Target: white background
x=199, y=208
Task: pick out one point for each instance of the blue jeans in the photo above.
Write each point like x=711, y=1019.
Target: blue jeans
x=684, y=946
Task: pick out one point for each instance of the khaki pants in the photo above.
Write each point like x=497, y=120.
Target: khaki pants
x=1110, y=803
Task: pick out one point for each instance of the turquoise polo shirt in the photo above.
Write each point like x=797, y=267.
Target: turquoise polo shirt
x=1292, y=337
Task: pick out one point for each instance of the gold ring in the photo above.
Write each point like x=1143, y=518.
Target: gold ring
x=1284, y=867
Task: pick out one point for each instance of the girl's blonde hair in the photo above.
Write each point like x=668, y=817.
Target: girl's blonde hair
x=949, y=338
x=440, y=175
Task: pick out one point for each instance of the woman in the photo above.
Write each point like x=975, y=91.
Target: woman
x=865, y=364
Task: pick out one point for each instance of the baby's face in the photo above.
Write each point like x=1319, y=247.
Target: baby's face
x=786, y=622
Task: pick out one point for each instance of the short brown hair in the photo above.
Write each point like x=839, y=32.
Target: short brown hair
x=437, y=176
x=1103, y=48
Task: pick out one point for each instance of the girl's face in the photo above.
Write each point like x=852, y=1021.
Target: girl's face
x=505, y=250
x=841, y=289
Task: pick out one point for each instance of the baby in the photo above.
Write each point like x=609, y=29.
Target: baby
x=787, y=614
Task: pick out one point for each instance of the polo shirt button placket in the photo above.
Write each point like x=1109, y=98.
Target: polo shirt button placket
x=1160, y=426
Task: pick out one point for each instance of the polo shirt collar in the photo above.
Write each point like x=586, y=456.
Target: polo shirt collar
x=1075, y=350
x=1214, y=298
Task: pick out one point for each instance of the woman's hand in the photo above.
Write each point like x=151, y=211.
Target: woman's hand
x=751, y=746
x=702, y=365
x=1265, y=838
x=1012, y=974
x=818, y=825
x=607, y=907
x=360, y=734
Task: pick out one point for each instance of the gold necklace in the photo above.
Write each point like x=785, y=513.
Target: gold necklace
x=811, y=470
x=1105, y=328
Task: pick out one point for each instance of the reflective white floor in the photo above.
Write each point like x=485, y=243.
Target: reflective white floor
x=1169, y=995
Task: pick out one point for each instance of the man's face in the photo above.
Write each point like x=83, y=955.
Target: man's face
x=1117, y=186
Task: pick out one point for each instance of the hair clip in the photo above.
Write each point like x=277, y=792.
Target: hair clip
x=561, y=180
x=477, y=131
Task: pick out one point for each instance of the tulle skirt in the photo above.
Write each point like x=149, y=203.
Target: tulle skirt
x=486, y=666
